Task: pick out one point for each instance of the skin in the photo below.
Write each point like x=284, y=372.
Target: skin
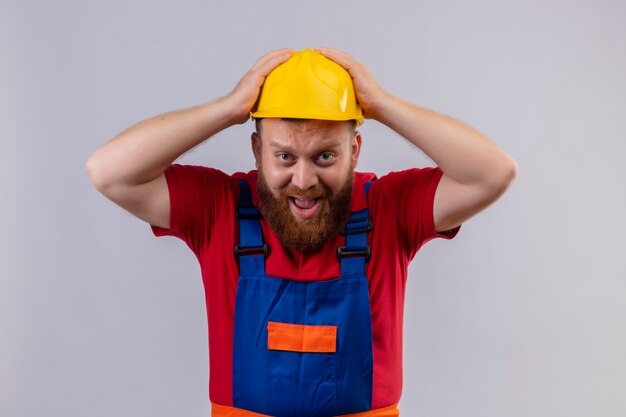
x=129, y=168
x=305, y=154
x=476, y=172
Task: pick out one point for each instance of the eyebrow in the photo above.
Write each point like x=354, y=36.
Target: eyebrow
x=324, y=144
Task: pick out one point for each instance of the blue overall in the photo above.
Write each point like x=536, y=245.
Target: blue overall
x=285, y=383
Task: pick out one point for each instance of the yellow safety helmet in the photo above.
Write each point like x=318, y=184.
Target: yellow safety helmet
x=308, y=86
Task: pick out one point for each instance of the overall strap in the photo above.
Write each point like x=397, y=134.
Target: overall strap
x=356, y=253
x=251, y=250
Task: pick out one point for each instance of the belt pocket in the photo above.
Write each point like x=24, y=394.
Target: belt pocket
x=301, y=337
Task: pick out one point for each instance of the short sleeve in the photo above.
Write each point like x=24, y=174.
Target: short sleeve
x=410, y=197
x=198, y=196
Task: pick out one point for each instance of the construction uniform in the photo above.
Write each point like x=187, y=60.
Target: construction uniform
x=295, y=334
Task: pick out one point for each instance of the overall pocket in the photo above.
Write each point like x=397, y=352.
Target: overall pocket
x=302, y=369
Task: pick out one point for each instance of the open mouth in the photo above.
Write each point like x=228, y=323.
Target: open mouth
x=304, y=208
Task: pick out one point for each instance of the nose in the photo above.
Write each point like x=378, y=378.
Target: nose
x=304, y=175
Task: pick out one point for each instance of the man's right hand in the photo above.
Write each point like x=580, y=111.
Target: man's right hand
x=129, y=168
x=246, y=92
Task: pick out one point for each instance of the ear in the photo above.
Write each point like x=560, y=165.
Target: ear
x=356, y=148
x=255, y=141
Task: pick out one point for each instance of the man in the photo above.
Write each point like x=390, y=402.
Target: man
x=304, y=299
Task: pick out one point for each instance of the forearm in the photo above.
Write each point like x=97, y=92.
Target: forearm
x=463, y=153
x=145, y=150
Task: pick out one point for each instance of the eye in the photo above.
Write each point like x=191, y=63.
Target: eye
x=326, y=156
x=284, y=157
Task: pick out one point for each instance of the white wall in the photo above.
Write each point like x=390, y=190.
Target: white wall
x=522, y=315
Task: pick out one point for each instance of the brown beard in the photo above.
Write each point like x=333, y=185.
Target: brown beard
x=306, y=235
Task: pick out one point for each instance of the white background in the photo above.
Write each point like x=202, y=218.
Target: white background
x=523, y=314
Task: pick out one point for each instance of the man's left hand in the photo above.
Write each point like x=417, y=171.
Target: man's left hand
x=369, y=93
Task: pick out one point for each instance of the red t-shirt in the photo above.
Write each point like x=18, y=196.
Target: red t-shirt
x=202, y=213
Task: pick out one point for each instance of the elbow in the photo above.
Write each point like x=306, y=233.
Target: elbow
x=505, y=175
x=511, y=171
x=95, y=172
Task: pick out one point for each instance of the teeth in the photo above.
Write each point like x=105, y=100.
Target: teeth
x=305, y=203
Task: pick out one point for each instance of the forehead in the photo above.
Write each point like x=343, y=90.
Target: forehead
x=292, y=132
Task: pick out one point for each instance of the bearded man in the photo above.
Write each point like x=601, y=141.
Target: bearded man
x=304, y=260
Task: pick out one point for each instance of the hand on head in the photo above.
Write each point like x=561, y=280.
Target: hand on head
x=368, y=92
x=246, y=92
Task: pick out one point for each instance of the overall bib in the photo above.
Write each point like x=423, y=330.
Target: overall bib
x=301, y=348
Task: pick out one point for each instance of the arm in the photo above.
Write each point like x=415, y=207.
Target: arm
x=129, y=169
x=476, y=172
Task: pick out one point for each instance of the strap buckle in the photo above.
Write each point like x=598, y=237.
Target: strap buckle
x=252, y=250
x=345, y=252
x=248, y=213
x=347, y=230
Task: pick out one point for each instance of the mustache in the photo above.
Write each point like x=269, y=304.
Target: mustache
x=315, y=191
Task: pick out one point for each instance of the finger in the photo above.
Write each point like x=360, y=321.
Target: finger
x=271, y=60
x=340, y=57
